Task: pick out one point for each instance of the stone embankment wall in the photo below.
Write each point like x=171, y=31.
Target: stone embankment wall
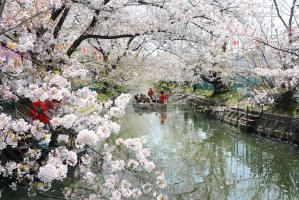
x=263, y=123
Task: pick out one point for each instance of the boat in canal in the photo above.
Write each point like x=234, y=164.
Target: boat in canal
x=149, y=106
x=142, y=102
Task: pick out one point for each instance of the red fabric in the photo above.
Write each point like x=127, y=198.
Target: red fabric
x=163, y=98
x=38, y=111
x=151, y=93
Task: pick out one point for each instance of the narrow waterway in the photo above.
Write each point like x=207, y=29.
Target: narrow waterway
x=206, y=159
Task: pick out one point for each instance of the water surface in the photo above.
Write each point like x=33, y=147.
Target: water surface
x=206, y=159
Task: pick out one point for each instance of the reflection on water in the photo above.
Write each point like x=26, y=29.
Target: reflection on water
x=163, y=117
x=205, y=159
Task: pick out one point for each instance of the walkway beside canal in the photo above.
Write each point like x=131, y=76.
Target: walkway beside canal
x=262, y=123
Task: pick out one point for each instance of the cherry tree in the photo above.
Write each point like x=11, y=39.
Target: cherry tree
x=47, y=47
x=48, y=126
x=271, y=50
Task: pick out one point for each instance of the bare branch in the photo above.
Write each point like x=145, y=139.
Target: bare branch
x=279, y=15
x=277, y=48
x=292, y=15
x=23, y=22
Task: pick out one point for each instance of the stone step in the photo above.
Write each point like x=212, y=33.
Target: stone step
x=253, y=116
x=251, y=113
x=247, y=120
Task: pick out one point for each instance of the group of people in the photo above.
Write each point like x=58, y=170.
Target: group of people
x=159, y=99
x=151, y=97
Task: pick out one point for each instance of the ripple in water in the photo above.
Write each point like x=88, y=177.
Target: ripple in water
x=206, y=159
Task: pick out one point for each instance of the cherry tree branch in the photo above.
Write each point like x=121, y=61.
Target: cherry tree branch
x=3, y=44
x=56, y=12
x=61, y=21
x=23, y=22
x=111, y=37
x=277, y=48
x=2, y=5
x=279, y=15
x=93, y=23
x=210, y=32
x=292, y=15
x=142, y=2
x=77, y=42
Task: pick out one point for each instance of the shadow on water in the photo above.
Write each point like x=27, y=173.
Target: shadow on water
x=206, y=159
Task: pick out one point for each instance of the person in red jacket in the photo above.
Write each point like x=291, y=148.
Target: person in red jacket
x=163, y=98
x=39, y=111
x=151, y=93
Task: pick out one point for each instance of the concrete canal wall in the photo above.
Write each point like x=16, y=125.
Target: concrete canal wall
x=262, y=123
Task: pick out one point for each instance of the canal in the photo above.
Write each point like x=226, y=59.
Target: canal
x=206, y=159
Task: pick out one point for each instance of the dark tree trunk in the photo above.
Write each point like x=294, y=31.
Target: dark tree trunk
x=215, y=80
x=285, y=99
x=194, y=86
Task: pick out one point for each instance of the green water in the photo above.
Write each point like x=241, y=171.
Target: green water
x=206, y=159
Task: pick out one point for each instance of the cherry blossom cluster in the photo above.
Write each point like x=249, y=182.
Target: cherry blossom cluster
x=54, y=128
x=51, y=52
x=115, y=184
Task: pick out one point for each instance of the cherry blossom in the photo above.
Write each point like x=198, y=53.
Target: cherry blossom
x=52, y=53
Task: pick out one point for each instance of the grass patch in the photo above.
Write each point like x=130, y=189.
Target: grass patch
x=229, y=98
x=103, y=97
x=165, y=86
x=188, y=90
x=205, y=93
x=104, y=94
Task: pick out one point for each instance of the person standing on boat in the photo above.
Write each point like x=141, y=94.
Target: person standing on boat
x=151, y=93
x=163, y=98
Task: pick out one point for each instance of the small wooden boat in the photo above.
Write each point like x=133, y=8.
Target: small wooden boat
x=141, y=105
x=149, y=106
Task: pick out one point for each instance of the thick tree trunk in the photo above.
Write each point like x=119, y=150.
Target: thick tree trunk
x=285, y=99
x=215, y=80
